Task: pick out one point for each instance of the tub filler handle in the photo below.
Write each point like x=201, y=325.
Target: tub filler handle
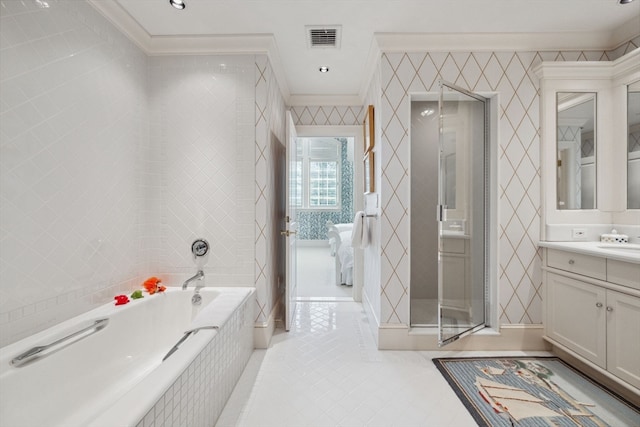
x=35, y=352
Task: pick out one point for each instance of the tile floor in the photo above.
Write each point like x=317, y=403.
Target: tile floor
x=328, y=372
x=316, y=275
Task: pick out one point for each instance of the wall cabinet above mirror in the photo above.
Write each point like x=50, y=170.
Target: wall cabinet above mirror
x=588, y=174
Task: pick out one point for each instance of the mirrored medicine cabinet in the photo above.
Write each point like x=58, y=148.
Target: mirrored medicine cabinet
x=576, y=143
x=590, y=141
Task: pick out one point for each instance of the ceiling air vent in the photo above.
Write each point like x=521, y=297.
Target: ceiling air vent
x=320, y=36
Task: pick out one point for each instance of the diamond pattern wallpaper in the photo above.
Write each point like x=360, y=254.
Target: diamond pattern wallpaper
x=269, y=139
x=328, y=115
x=510, y=75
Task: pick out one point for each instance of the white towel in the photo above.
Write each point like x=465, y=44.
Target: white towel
x=360, y=232
x=216, y=312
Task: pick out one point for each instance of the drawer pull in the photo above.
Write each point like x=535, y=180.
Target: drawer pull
x=609, y=308
x=571, y=262
x=599, y=304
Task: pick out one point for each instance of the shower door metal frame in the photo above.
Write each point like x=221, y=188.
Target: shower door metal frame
x=441, y=212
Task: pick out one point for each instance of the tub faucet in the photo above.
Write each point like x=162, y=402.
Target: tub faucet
x=198, y=276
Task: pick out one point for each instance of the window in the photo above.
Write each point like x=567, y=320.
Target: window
x=317, y=173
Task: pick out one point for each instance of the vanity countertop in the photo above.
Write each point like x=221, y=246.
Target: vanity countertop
x=628, y=252
x=452, y=234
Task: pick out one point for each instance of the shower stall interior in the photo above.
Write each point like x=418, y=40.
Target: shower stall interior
x=449, y=212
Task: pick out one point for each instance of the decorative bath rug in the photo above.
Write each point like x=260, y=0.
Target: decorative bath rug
x=533, y=391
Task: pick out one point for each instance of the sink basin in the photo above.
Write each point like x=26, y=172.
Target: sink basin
x=620, y=246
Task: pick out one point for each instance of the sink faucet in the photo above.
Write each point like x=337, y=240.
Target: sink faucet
x=198, y=276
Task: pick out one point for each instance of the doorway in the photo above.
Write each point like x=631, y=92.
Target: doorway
x=328, y=268
x=450, y=212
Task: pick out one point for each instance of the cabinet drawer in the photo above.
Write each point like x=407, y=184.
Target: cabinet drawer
x=585, y=265
x=623, y=273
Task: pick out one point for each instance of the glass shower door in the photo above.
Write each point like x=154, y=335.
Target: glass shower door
x=461, y=213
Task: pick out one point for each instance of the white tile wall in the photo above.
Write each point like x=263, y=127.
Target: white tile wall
x=72, y=112
x=509, y=74
x=202, y=146
x=112, y=163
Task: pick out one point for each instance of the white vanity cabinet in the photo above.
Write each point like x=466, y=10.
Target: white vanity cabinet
x=456, y=290
x=589, y=313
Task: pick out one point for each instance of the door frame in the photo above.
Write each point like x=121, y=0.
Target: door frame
x=310, y=131
x=492, y=317
x=290, y=227
x=441, y=216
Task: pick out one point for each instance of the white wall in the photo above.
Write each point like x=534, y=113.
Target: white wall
x=72, y=114
x=111, y=163
x=201, y=127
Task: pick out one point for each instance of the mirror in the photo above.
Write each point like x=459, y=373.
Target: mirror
x=576, y=150
x=633, y=144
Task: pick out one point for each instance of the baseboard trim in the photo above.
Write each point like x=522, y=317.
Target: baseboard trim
x=371, y=316
x=263, y=331
x=509, y=337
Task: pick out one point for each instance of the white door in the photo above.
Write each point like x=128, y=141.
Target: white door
x=293, y=196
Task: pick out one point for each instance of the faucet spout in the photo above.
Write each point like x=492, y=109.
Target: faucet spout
x=198, y=276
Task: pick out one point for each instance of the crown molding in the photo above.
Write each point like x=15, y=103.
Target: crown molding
x=483, y=42
x=603, y=70
x=239, y=44
x=382, y=42
x=627, y=66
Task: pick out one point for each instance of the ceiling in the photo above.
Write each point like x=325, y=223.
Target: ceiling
x=277, y=27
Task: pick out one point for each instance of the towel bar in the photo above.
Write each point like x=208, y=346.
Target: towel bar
x=34, y=352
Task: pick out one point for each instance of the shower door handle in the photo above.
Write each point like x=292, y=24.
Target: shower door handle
x=442, y=213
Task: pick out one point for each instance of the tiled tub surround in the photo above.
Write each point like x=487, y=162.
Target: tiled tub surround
x=201, y=168
x=74, y=233
x=116, y=376
x=72, y=129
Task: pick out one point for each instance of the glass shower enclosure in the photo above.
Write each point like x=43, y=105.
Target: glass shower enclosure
x=449, y=180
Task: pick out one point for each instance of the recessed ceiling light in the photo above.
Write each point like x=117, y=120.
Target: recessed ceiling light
x=178, y=4
x=624, y=1
x=324, y=69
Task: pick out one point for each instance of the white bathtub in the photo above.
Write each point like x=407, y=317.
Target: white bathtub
x=115, y=376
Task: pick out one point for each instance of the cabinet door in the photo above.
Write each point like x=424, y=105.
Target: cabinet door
x=575, y=317
x=454, y=275
x=623, y=336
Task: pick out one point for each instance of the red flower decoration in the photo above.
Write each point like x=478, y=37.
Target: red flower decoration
x=152, y=285
x=121, y=299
